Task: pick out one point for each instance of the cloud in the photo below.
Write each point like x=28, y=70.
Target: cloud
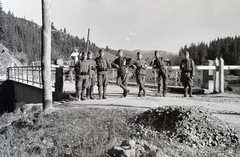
x=132, y=33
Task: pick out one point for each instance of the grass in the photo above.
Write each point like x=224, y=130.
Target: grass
x=81, y=132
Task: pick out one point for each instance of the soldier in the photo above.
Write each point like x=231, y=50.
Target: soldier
x=92, y=76
x=159, y=63
x=102, y=65
x=82, y=70
x=122, y=64
x=140, y=65
x=76, y=68
x=187, y=68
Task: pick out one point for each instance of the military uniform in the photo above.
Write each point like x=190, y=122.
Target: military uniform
x=102, y=66
x=140, y=66
x=92, y=78
x=187, y=68
x=82, y=75
x=160, y=65
x=122, y=64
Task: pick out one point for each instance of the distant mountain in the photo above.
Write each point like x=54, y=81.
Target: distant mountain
x=149, y=54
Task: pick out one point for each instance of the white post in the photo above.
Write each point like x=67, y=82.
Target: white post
x=210, y=77
x=176, y=78
x=221, y=75
x=216, y=76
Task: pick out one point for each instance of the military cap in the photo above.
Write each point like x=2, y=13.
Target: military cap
x=186, y=52
x=120, y=50
x=83, y=53
x=101, y=50
x=139, y=53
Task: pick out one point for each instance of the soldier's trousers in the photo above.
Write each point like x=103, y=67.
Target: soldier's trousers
x=81, y=86
x=122, y=81
x=162, y=80
x=141, y=82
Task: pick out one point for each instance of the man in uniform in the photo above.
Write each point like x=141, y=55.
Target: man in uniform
x=102, y=66
x=140, y=65
x=122, y=64
x=92, y=76
x=187, y=68
x=159, y=63
x=82, y=70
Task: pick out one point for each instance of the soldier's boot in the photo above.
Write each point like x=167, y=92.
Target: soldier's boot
x=190, y=91
x=144, y=92
x=100, y=92
x=164, y=91
x=125, y=90
x=104, y=92
x=159, y=90
x=79, y=93
x=139, y=92
x=83, y=93
x=91, y=93
x=185, y=91
x=88, y=93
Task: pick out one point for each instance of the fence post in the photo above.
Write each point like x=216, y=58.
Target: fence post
x=176, y=77
x=221, y=75
x=155, y=77
x=27, y=75
x=207, y=77
x=216, y=76
x=59, y=83
x=32, y=76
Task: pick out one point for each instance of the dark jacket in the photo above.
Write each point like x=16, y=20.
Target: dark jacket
x=102, y=65
x=122, y=64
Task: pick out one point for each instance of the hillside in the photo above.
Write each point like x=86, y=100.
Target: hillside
x=6, y=60
x=149, y=54
x=22, y=38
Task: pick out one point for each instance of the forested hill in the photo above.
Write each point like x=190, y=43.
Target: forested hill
x=228, y=48
x=23, y=38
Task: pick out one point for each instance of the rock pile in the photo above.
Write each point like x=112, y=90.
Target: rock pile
x=194, y=126
x=136, y=148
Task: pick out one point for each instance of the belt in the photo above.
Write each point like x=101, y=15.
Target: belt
x=84, y=73
x=102, y=69
x=186, y=71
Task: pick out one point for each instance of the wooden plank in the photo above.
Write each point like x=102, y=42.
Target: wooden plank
x=46, y=55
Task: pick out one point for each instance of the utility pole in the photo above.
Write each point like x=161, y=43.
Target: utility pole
x=46, y=55
x=88, y=39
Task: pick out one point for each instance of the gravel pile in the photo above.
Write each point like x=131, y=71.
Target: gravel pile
x=194, y=126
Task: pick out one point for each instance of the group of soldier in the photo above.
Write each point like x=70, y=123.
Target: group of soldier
x=87, y=69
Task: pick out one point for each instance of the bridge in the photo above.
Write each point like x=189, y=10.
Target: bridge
x=24, y=84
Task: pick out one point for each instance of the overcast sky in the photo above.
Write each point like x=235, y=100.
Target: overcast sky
x=138, y=24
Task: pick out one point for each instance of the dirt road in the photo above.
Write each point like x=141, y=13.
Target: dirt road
x=224, y=106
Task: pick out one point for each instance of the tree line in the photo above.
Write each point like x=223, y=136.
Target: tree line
x=23, y=38
x=228, y=48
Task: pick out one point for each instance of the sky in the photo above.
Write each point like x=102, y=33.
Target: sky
x=138, y=24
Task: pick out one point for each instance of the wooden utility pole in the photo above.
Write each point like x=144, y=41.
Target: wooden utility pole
x=88, y=39
x=46, y=55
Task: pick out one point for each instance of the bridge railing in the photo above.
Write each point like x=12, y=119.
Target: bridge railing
x=209, y=76
x=31, y=75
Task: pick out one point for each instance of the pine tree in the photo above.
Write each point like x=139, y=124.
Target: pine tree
x=1, y=24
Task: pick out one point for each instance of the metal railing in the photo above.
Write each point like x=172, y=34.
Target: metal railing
x=31, y=75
